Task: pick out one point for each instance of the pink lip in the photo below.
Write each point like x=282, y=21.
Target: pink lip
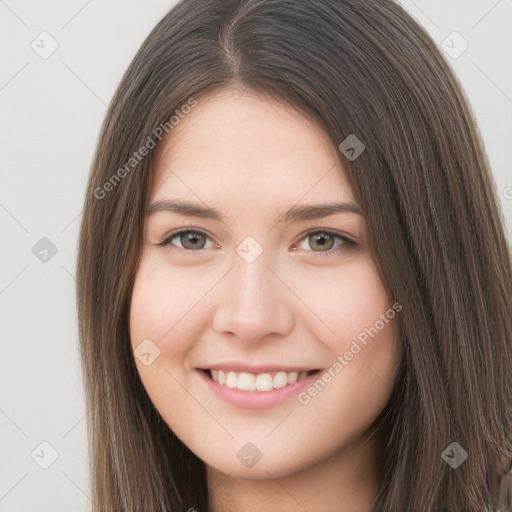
x=256, y=399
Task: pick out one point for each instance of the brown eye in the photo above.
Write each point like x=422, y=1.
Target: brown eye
x=327, y=243
x=191, y=240
x=321, y=241
x=188, y=240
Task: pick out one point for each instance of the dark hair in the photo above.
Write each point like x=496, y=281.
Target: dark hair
x=361, y=67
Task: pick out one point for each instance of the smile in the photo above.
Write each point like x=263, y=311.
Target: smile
x=261, y=390
x=245, y=381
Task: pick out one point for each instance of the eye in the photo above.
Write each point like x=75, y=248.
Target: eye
x=188, y=240
x=324, y=242
x=321, y=241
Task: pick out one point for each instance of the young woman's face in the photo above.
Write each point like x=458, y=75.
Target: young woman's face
x=257, y=278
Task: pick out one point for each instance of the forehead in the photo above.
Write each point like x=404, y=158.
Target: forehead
x=238, y=147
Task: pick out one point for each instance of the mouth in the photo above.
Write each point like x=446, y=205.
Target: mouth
x=257, y=382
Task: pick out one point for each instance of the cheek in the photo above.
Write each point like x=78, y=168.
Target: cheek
x=171, y=306
x=357, y=324
x=362, y=338
x=166, y=304
x=345, y=301
x=169, y=309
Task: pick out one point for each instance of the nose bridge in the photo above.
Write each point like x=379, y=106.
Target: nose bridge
x=253, y=302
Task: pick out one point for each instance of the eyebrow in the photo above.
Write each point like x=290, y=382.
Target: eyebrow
x=294, y=214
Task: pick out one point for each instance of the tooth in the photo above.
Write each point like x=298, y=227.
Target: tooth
x=292, y=377
x=251, y=382
x=280, y=380
x=231, y=380
x=264, y=382
x=246, y=382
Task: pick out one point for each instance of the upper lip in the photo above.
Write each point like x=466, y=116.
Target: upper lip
x=247, y=368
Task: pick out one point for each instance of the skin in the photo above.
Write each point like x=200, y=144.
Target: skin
x=252, y=159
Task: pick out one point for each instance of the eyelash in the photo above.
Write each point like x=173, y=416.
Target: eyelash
x=346, y=244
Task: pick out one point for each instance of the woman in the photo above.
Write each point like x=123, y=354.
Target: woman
x=233, y=364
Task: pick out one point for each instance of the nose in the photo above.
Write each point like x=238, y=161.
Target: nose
x=253, y=303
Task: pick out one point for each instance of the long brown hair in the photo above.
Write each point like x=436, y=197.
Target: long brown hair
x=361, y=67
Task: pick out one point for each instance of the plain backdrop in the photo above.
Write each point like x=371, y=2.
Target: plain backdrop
x=51, y=109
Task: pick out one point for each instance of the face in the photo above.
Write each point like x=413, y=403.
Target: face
x=260, y=327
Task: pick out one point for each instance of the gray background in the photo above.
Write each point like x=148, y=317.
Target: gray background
x=51, y=110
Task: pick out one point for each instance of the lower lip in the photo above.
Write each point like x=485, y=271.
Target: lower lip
x=257, y=399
